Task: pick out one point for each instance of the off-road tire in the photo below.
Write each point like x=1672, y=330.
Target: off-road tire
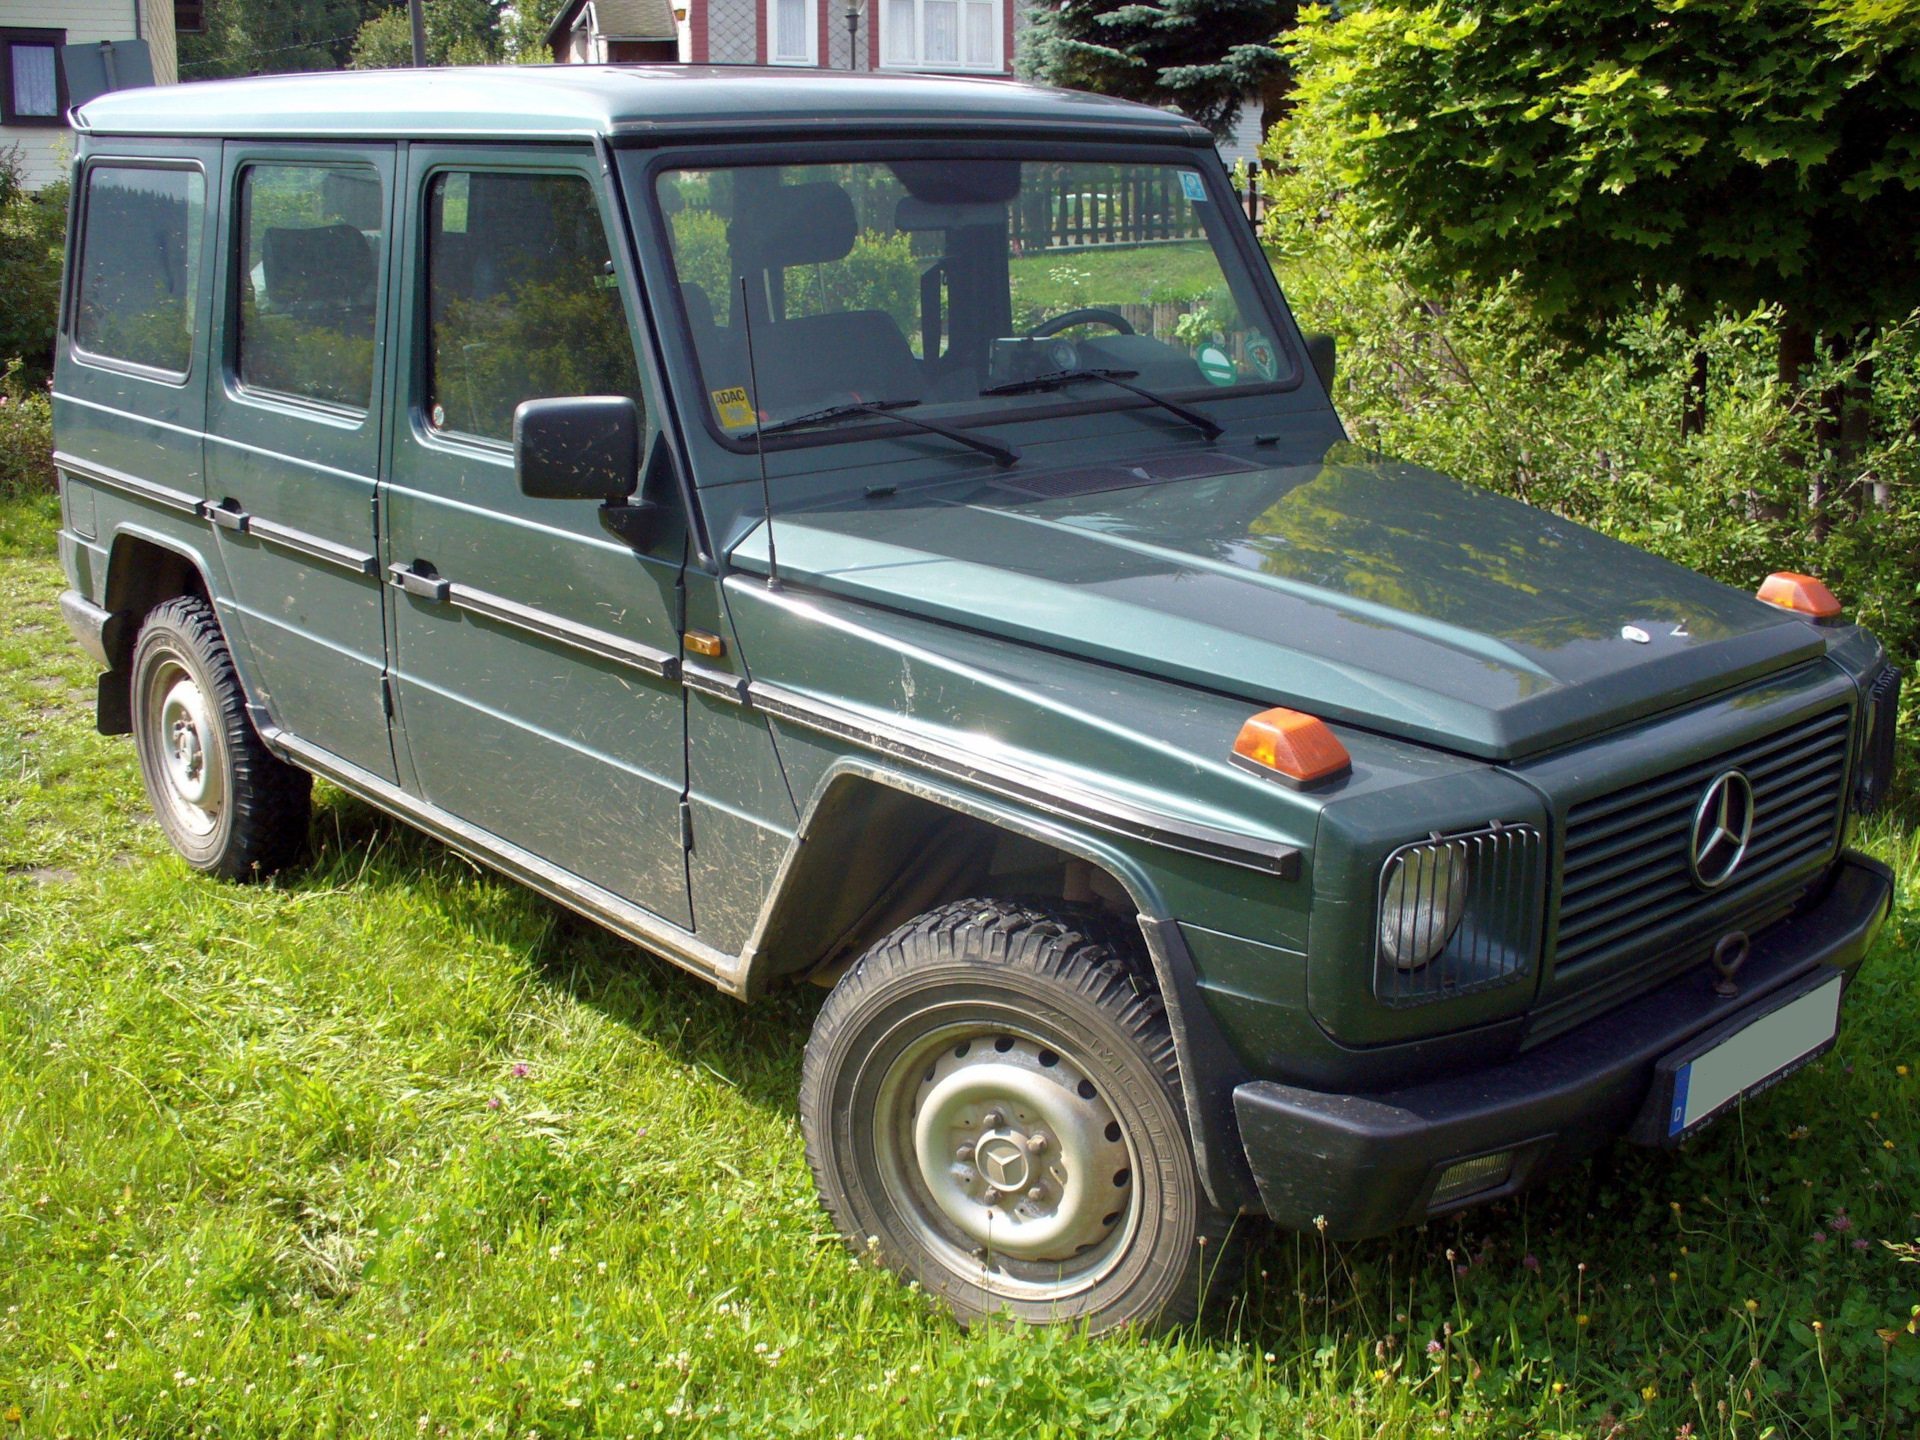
x=183, y=675
x=1072, y=982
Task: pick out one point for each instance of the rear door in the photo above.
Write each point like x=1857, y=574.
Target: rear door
x=294, y=412
x=536, y=655
x=130, y=397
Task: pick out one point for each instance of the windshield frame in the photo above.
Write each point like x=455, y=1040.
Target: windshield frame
x=650, y=216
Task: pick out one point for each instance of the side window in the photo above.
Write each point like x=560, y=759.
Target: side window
x=521, y=299
x=311, y=237
x=139, y=263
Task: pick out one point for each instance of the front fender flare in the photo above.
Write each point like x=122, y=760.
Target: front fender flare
x=1209, y=1068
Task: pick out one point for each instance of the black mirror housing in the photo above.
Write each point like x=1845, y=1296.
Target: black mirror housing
x=1320, y=354
x=577, y=447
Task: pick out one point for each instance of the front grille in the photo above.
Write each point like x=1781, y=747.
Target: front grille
x=1625, y=880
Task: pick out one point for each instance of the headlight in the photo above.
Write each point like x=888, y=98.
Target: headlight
x=1425, y=896
x=1458, y=913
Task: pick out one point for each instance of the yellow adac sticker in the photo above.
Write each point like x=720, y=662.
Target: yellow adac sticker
x=736, y=412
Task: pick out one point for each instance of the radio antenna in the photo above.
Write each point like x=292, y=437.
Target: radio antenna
x=759, y=438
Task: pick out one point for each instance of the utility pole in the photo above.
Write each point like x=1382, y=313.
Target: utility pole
x=417, y=13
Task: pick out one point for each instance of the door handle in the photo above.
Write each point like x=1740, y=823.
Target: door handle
x=427, y=587
x=229, y=516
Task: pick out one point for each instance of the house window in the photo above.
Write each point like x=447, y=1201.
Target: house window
x=793, y=33
x=189, y=16
x=940, y=34
x=32, y=89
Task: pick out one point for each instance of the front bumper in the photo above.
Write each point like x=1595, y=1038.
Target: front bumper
x=1366, y=1164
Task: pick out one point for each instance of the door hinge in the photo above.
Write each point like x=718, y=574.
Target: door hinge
x=386, y=695
x=686, y=825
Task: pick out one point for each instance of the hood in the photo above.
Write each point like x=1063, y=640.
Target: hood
x=1377, y=594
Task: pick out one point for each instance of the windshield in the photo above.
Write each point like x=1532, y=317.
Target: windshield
x=933, y=284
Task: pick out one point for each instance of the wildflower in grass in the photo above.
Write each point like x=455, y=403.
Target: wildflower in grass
x=493, y=1102
x=1530, y=1262
x=1752, y=1305
x=1819, y=1237
x=1900, y=1070
x=521, y=1071
x=1673, y=1275
x=1581, y=1320
x=1433, y=1347
x=1860, y=1245
x=1649, y=1392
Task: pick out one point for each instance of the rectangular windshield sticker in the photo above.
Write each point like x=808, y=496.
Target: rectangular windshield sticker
x=1192, y=186
x=735, y=412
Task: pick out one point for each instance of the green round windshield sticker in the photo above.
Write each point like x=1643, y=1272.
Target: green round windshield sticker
x=1260, y=355
x=1216, y=365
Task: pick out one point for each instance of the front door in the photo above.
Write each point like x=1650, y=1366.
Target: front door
x=293, y=433
x=532, y=649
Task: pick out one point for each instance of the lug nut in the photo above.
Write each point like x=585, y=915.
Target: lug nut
x=1038, y=1192
x=1037, y=1141
x=992, y=1120
x=965, y=1152
x=992, y=1196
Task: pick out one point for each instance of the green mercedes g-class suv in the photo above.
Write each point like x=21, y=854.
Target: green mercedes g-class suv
x=890, y=532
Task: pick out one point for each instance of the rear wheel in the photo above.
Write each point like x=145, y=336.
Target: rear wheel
x=991, y=1101
x=226, y=803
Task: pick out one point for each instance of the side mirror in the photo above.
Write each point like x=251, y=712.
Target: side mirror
x=577, y=447
x=1320, y=355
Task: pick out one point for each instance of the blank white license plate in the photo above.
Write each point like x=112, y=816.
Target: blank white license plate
x=1751, y=1057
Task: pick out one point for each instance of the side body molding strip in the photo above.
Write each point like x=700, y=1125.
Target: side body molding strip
x=164, y=496
x=1051, y=793
x=571, y=633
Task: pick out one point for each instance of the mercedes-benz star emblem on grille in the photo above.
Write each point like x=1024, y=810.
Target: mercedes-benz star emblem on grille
x=1721, y=827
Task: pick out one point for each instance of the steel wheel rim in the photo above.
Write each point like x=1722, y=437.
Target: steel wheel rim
x=189, y=755
x=938, y=1097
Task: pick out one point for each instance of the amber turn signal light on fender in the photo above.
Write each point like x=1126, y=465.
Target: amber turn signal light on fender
x=1801, y=594
x=1292, y=747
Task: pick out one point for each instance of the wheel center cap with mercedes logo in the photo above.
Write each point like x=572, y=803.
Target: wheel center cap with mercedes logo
x=1722, y=825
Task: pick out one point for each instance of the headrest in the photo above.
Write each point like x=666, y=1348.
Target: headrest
x=792, y=225
x=327, y=264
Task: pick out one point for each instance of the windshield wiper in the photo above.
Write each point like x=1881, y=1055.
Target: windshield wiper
x=1058, y=378
x=1003, y=455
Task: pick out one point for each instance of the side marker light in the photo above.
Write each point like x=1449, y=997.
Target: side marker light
x=1801, y=594
x=1295, y=748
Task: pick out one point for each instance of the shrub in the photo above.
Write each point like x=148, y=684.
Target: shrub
x=33, y=228
x=26, y=435
x=1677, y=437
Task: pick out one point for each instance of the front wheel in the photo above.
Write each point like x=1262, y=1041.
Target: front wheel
x=991, y=1101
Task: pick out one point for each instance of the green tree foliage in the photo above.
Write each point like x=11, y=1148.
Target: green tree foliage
x=266, y=37
x=1597, y=151
x=1206, y=57
x=1472, y=380
x=33, y=228
x=459, y=32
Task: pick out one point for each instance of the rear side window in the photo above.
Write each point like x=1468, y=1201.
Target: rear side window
x=312, y=236
x=139, y=261
x=522, y=300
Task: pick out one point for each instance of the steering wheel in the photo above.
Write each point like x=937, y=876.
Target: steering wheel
x=1090, y=315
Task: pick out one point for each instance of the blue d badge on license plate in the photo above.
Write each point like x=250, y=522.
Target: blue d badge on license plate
x=1749, y=1053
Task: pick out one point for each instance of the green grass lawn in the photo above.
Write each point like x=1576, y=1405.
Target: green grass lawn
x=395, y=1148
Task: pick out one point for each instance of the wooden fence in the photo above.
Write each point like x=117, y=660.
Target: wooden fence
x=1130, y=207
